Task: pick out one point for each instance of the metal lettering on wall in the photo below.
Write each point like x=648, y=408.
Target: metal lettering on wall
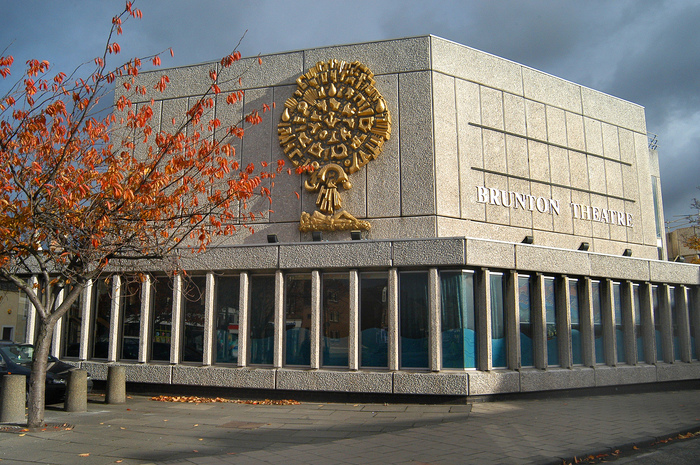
x=515, y=200
x=336, y=122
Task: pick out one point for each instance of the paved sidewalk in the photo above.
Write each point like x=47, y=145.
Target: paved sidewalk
x=143, y=431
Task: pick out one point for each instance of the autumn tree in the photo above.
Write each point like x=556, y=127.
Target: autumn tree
x=693, y=241
x=84, y=192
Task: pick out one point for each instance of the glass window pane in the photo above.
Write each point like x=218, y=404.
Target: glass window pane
x=576, y=343
x=550, y=307
x=228, y=290
x=619, y=331
x=262, y=319
x=194, y=292
x=102, y=301
x=675, y=315
x=657, y=323
x=72, y=324
x=638, y=334
x=336, y=319
x=374, y=322
x=459, y=344
x=162, y=310
x=597, y=322
x=498, y=322
x=525, y=309
x=131, y=320
x=692, y=307
x=298, y=319
x=413, y=315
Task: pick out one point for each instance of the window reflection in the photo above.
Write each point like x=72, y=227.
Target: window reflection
x=525, y=309
x=374, y=321
x=226, y=308
x=162, y=318
x=619, y=327
x=336, y=319
x=597, y=322
x=298, y=319
x=498, y=322
x=262, y=319
x=575, y=315
x=131, y=320
x=102, y=302
x=194, y=292
x=459, y=344
x=550, y=307
x=413, y=319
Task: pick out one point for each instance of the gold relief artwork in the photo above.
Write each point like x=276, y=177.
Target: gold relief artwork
x=335, y=123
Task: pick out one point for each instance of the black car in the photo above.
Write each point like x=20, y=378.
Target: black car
x=17, y=359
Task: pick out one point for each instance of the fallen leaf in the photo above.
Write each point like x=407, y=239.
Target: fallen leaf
x=23, y=434
x=200, y=439
x=83, y=455
x=196, y=424
x=121, y=427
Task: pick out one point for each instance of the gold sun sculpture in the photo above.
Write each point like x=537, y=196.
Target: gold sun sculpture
x=334, y=124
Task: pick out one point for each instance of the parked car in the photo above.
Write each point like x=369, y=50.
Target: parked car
x=17, y=359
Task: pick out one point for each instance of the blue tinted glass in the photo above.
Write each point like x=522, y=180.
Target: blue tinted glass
x=498, y=323
x=226, y=308
x=550, y=301
x=297, y=319
x=576, y=348
x=413, y=314
x=374, y=325
x=262, y=319
x=525, y=309
x=597, y=322
x=459, y=344
x=619, y=332
x=336, y=319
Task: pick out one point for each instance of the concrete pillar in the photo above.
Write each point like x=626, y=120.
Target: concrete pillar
x=278, y=345
x=646, y=314
x=563, y=317
x=76, y=391
x=512, y=309
x=178, y=321
x=664, y=293
x=115, y=318
x=243, y=307
x=482, y=291
x=116, y=385
x=434, y=322
x=393, y=316
x=628, y=321
x=145, y=331
x=209, y=320
x=354, y=326
x=13, y=396
x=682, y=322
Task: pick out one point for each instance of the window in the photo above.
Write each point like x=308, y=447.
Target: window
x=692, y=307
x=525, y=308
x=162, y=318
x=226, y=309
x=597, y=322
x=102, y=302
x=657, y=323
x=459, y=344
x=575, y=316
x=413, y=319
x=619, y=324
x=336, y=319
x=550, y=308
x=638, y=332
x=72, y=326
x=499, y=358
x=131, y=320
x=297, y=319
x=675, y=322
x=262, y=319
x=193, y=296
x=374, y=324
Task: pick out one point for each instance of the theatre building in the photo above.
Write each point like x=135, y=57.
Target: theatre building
x=472, y=227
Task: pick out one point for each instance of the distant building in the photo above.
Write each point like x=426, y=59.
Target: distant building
x=13, y=304
x=473, y=227
x=677, y=244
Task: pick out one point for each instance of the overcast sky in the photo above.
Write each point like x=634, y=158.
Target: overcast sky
x=647, y=52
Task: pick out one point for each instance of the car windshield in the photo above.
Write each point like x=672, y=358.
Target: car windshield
x=18, y=353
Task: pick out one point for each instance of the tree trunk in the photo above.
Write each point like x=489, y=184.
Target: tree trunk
x=36, y=402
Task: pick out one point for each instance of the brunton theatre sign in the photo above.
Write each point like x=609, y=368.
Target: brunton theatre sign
x=516, y=200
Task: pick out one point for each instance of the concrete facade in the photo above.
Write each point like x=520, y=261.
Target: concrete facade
x=483, y=153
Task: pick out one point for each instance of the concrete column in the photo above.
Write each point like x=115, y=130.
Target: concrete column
x=682, y=321
x=209, y=320
x=30, y=330
x=278, y=351
x=607, y=305
x=76, y=391
x=58, y=329
x=538, y=317
x=178, y=321
x=563, y=316
x=87, y=311
x=354, y=328
x=393, y=316
x=13, y=395
x=434, y=322
x=145, y=332
x=482, y=291
x=586, y=319
x=116, y=385
x=646, y=311
x=512, y=309
x=664, y=293
x=115, y=319
x=628, y=322
x=315, y=320
x=243, y=308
